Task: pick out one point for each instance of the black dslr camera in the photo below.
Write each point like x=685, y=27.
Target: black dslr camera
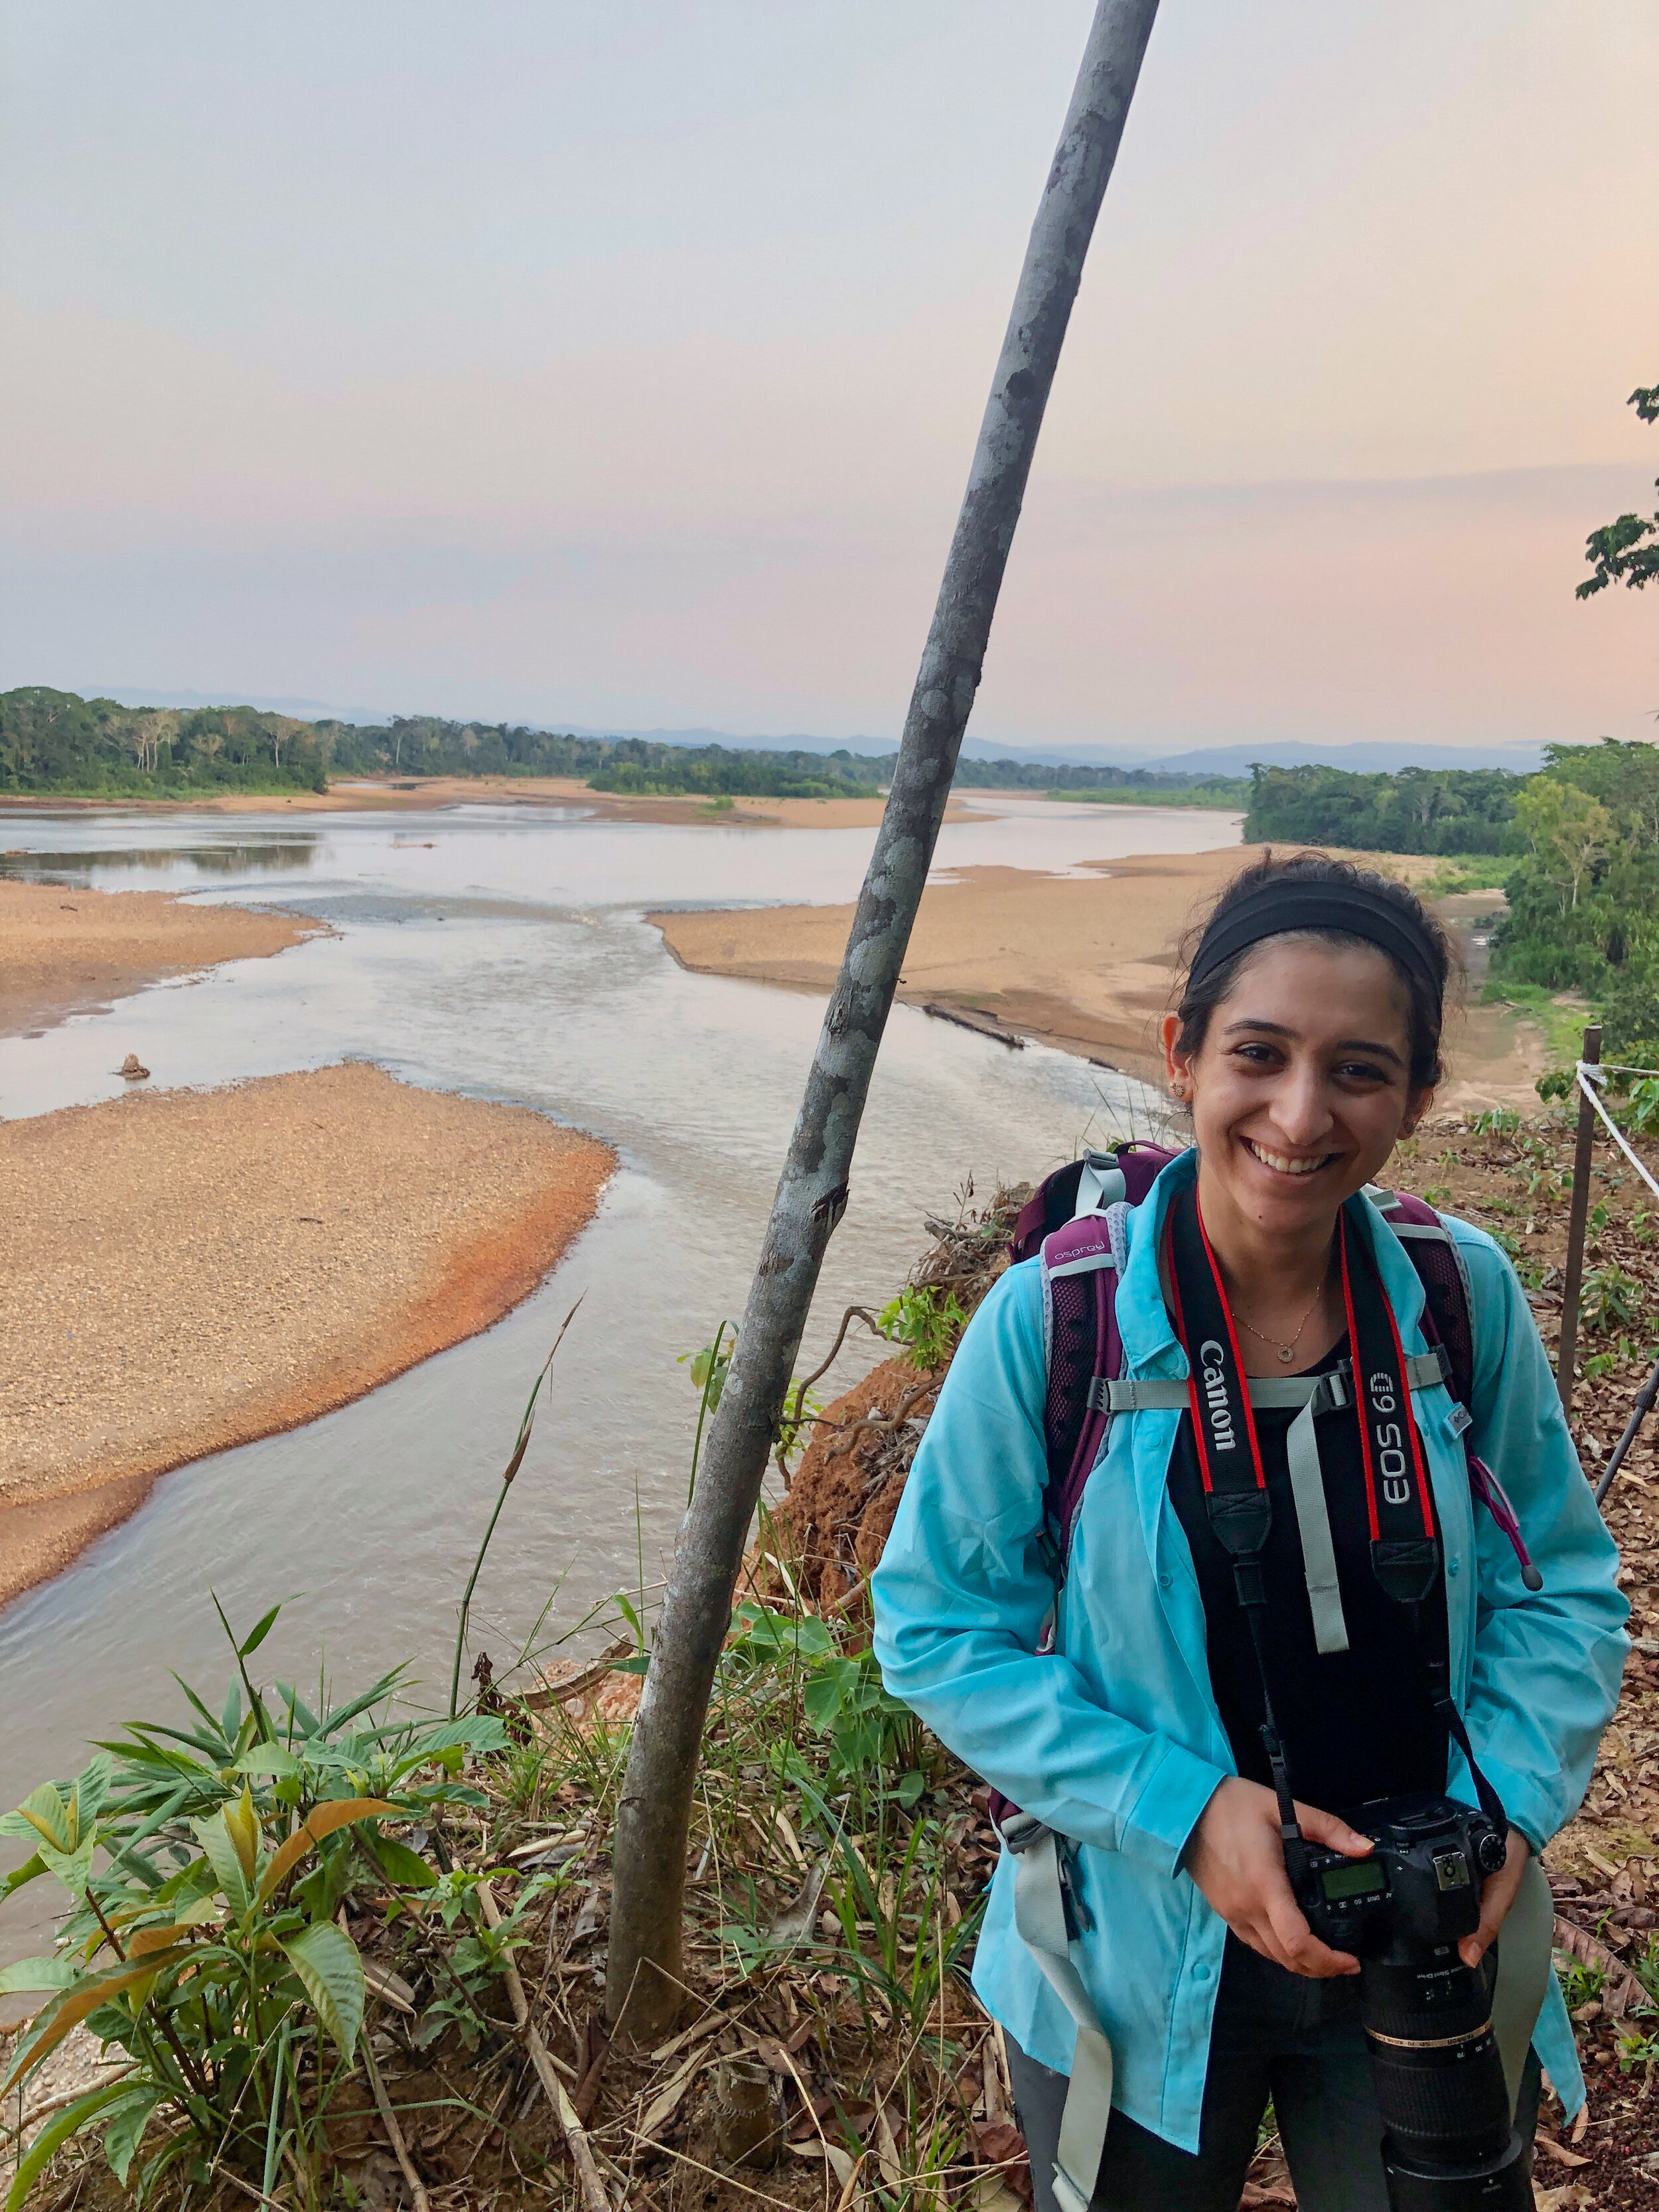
x=1402, y=1911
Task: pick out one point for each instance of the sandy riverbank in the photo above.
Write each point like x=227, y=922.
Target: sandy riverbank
x=394, y=795
x=1083, y=962
x=66, y=951
x=188, y=1270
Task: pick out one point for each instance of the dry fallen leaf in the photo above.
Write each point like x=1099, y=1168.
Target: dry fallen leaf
x=842, y=2163
x=1554, y=2151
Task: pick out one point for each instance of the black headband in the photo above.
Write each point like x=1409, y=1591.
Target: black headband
x=1279, y=906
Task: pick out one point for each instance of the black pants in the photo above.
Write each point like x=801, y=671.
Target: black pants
x=1276, y=2035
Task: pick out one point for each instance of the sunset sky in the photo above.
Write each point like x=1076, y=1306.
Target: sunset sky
x=568, y=361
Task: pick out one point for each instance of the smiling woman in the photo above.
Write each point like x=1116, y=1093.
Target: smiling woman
x=1280, y=1634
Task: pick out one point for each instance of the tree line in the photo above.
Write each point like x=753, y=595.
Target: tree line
x=1583, y=891
x=55, y=741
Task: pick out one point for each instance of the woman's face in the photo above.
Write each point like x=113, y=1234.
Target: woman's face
x=1302, y=1086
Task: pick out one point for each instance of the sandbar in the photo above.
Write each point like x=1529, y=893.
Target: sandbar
x=64, y=952
x=187, y=1270
x=394, y=794
x=1083, y=962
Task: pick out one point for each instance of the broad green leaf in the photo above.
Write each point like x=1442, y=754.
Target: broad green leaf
x=73, y=1869
x=303, y=1717
x=478, y=1732
x=400, y=1865
x=267, y=1758
x=28, y=1872
x=56, y=2133
x=324, y=1820
x=216, y=1839
x=326, y=1960
x=92, y=1787
x=42, y=1816
x=230, y=1721
x=258, y=1634
x=125, y=2130
x=35, y=1974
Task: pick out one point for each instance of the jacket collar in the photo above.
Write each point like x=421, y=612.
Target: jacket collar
x=1143, y=1319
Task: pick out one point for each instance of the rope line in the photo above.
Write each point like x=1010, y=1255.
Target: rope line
x=1587, y=1072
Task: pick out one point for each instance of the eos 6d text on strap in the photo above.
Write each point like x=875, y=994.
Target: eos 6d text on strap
x=1406, y=1550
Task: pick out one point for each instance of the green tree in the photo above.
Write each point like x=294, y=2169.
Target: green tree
x=1567, y=831
x=1625, y=552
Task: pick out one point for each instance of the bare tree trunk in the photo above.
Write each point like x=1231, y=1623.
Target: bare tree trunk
x=654, y=1820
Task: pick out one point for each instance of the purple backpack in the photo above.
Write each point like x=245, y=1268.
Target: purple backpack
x=1075, y=1221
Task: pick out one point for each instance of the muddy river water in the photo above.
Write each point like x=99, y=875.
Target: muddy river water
x=501, y=952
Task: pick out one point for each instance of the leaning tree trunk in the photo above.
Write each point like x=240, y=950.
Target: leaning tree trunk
x=644, y=1986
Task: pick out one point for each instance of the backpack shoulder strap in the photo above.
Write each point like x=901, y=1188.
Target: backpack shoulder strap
x=1449, y=1322
x=1448, y=1298
x=1084, y=1354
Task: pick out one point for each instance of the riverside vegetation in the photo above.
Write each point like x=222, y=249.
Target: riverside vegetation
x=55, y=741
x=336, y=1951
x=1575, y=848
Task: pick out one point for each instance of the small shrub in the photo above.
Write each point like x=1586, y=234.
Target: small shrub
x=1612, y=1300
x=205, y=1949
x=1495, y=1121
x=926, y=1320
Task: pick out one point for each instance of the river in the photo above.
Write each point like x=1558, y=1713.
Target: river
x=500, y=951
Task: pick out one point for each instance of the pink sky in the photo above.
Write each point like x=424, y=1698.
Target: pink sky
x=532, y=362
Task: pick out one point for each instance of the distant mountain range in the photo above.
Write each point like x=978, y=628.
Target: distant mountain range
x=1369, y=757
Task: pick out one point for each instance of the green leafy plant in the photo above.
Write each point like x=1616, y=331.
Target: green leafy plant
x=206, y=1867
x=1611, y=1299
x=927, y=1320
x=1495, y=1121
x=1580, y=1984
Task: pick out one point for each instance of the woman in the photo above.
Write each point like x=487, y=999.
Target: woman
x=1304, y=1052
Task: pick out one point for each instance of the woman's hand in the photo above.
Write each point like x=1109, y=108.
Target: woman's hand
x=1496, y=1895
x=1237, y=1859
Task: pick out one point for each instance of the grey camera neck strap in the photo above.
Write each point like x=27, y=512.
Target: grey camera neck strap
x=1312, y=1395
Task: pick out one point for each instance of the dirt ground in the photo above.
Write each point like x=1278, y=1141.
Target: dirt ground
x=1083, y=962
x=64, y=952
x=187, y=1270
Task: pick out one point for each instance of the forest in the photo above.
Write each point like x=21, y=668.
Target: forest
x=55, y=741
x=1583, y=889
x=1415, y=811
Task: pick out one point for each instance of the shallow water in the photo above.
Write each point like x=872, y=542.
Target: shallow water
x=500, y=951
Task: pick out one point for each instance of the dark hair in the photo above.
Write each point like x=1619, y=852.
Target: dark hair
x=1426, y=993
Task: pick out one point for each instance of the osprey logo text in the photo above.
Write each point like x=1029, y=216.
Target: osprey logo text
x=1211, y=1357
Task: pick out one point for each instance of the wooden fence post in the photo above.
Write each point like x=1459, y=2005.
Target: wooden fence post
x=1567, y=1351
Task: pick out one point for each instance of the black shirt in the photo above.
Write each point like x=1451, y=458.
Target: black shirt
x=1355, y=1724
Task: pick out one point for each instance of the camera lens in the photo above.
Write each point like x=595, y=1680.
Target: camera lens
x=1439, y=2078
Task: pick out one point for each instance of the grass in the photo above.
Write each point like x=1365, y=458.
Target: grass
x=1467, y=872
x=1562, y=1020
x=1230, y=802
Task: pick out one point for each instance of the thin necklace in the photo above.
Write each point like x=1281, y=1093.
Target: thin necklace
x=1284, y=1349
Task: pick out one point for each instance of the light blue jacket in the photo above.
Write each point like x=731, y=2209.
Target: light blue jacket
x=1115, y=1739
